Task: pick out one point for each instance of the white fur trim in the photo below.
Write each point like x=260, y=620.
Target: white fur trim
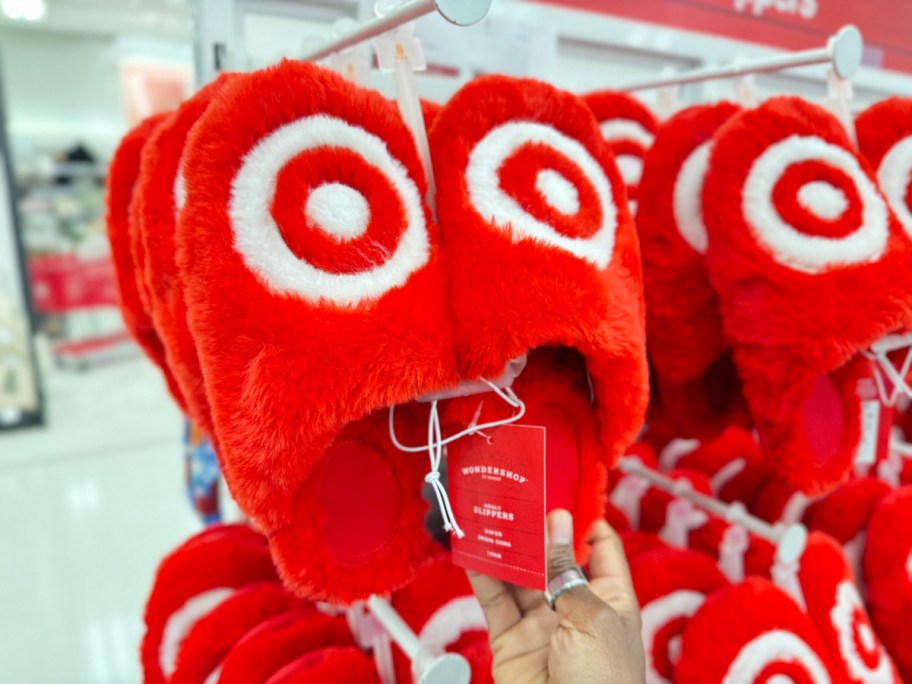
x=560, y=193
x=687, y=203
x=614, y=130
x=842, y=617
x=631, y=168
x=257, y=237
x=823, y=200
x=451, y=621
x=775, y=646
x=338, y=210
x=894, y=175
x=797, y=250
x=499, y=208
x=181, y=622
x=658, y=613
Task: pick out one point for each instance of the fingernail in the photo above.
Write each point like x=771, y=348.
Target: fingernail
x=560, y=527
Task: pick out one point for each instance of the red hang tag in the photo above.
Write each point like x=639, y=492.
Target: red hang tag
x=496, y=485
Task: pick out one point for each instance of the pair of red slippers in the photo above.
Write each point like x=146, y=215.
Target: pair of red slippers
x=699, y=627
x=772, y=264
x=292, y=283
x=217, y=613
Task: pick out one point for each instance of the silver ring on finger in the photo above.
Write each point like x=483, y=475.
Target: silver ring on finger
x=565, y=581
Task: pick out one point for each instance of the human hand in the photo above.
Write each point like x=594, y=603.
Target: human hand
x=593, y=633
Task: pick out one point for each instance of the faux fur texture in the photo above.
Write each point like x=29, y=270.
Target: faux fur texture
x=888, y=575
x=670, y=585
x=279, y=641
x=222, y=556
x=836, y=609
x=629, y=128
x=157, y=210
x=733, y=463
x=802, y=293
x=636, y=543
x=690, y=356
x=122, y=179
x=749, y=633
x=505, y=201
x=286, y=371
x=333, y=665
x=214, y=635
x=438, y=584
x=555, y=390
x=846, y=511
x=779, y=501
x=885, y=139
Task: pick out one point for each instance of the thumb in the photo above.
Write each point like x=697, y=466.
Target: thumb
x=578, y=605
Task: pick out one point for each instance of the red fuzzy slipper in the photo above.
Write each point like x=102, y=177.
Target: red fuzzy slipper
x=888, y=575
x=307, y=207
x=554, y=388
x=193, y=579
x=442, y=610
x=279, y=641
x=160, y=191
x=885, y=139
x=732, y=461
x=670, y=584
x=844, y=515
x=333, y=665
x=811, y=269
x=698, y=386
x=215, y=634
x=122, y=180
x=629, y=128
x=540, y=246
x=752, y=633
x=780, y=502
x=836, y=609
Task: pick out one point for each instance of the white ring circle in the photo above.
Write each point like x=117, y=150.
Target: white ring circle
x=499, y=208
x=658, y=613
x=687, y=199
x=790, y=247
x=847, y=601
x=775, y=646
x=894, y=175
x=259, y=241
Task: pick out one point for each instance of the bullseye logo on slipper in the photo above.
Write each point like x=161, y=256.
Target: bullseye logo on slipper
x=534, y=182
x=365, y=231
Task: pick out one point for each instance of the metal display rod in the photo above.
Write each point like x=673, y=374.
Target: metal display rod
x=459, y=12
x=790, y=540
x=843, y=51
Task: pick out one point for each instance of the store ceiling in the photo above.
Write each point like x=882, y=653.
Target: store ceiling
x=154, y=18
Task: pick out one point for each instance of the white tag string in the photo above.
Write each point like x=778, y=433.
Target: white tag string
x=884, y=367
x=436, y=442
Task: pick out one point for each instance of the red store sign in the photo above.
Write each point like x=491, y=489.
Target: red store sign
x=791, y=24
